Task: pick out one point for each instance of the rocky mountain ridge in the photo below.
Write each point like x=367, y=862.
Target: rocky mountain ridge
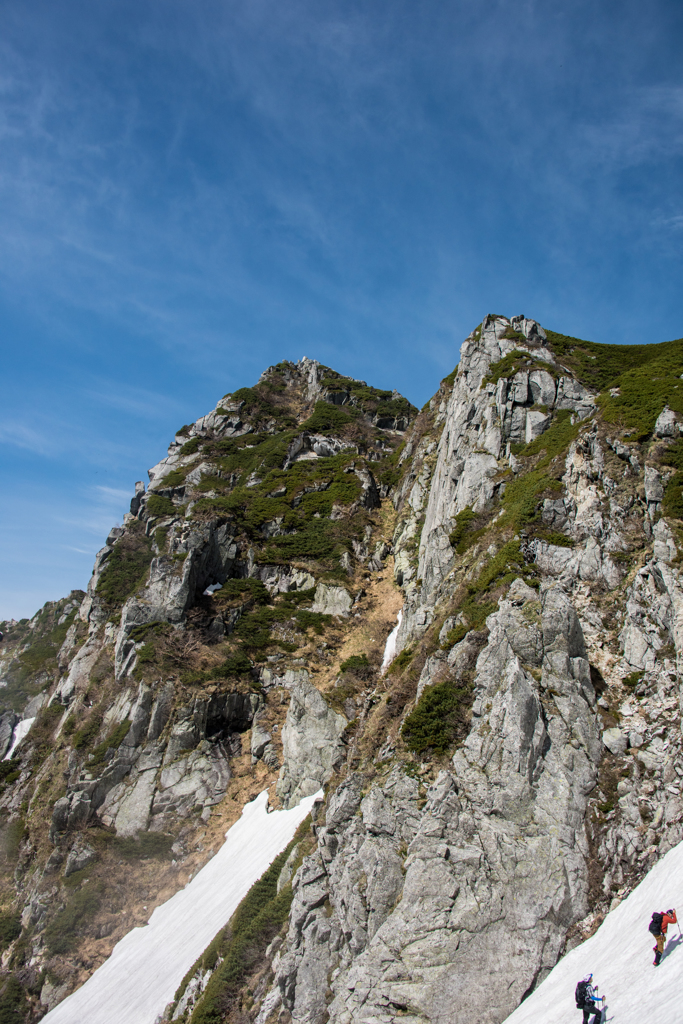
x=488, y=798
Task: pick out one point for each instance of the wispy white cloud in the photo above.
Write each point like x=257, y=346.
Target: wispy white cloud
x=674, y=223
x=113, y=493
x=54, y=437
x=134, y=401
x=21, y=436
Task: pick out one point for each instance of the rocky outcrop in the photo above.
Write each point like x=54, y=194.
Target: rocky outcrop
x=452, y=903
x=167, y=765
x=312, y=446
x=481, y=420
x=542, y=603
x=332, y=600
x=453, y=910
x=312, y=743
x=207, y=555
x=8, y=720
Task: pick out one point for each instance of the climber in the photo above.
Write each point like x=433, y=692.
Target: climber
x=658, y=926
x=587, y=999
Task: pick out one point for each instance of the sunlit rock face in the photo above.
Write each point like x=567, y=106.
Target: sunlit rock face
x=463, y=627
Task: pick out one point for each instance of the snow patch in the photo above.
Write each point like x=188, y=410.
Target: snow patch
x=20, y=731
x=620, y=957
x=212, y=589
x=141, y=976
x=390, y=648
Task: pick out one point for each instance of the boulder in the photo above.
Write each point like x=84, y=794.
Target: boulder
x=654, y=489
x=260, y=738
x=80, y=857
x=280, y=579
x=536, y=423
x=70, y=813
x=134, y=810
x=615, y=740
x=666, y=425
x=332, y=600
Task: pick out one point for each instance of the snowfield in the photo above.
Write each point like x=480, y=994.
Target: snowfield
x=390, y=646
x=145, y=968
x=620, y=957
x=21, y=730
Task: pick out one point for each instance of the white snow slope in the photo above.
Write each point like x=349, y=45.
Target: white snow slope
x=20, y=731
x=620, y=957
x=145, y=968
x=390, y=646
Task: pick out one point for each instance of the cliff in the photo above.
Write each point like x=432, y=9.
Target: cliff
x=510, y=776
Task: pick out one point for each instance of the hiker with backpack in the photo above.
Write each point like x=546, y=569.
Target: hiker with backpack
x=587, y=998
x=658, y=926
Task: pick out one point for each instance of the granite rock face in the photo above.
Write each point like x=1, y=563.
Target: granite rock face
x=452, y=910
x=436, y=885
x=208, y=556
x=448, y=902
x=149, y=782
x=480, y=422
x=311, y=741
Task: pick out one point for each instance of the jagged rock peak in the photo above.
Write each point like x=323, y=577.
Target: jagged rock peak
x=491, y=791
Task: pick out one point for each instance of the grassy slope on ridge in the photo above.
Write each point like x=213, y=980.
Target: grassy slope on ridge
x=644, y=378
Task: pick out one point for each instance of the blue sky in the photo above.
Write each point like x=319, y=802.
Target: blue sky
x=190, y=192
